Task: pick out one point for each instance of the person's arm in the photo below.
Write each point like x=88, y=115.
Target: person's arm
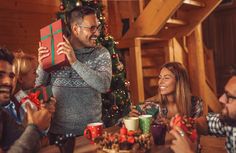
x=134, y=112
x=215, y=126
x=197, y=107
x=201, y=125
x=210, y=124
x=28, y=142
x=181, y=143
x=10, y=130
x=99, y=79
x=42, y=78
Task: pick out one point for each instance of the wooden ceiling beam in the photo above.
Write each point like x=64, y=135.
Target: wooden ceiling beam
x=192, y=17
x=153, y=18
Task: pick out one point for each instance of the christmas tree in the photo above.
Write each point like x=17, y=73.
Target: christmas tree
x=116, y=102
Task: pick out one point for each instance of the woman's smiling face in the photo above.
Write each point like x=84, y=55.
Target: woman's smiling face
x=166, y=82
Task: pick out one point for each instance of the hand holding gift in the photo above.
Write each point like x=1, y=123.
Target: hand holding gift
x=148, y=108
x=187, y=124
x=50, y=37
x=32, y=99
x=66, y=48
x=182, y=144
x=35, y=97
x=42, y=117
x=43, y=93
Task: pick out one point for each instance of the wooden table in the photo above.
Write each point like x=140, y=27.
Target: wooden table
x=83, y=145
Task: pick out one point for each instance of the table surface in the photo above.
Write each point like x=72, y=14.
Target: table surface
x=83, y=145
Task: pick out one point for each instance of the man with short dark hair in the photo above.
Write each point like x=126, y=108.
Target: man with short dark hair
x=28, y=138
x=223, y=124
x=78, y=87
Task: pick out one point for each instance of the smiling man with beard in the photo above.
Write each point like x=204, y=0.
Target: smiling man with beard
x=77, y=87
x=223, y=124
x=26, y=140
x=5, y=82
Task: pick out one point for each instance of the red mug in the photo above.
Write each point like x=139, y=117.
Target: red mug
x=93, y=130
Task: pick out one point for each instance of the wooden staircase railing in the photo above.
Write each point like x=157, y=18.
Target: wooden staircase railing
x=153, y=18
x=172, y=23
x=210, y=69
x=187, y=17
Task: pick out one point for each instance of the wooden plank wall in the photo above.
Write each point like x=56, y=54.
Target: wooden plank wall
x=20, y=21
x=219, y=33
x=121, y=10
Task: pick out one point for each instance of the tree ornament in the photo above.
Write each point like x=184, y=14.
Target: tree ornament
x=115, y=107
x=79, y=3
x=120, y=66
x=127, y=84
x=114, y=55
x=109, y=90
x=62, y=7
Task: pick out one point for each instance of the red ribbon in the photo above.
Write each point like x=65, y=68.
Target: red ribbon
x=33, y=97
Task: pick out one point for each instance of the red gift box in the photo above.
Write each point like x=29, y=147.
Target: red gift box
x=44, y=92
x=50, y=36
x=24, y=98
x=187, y=124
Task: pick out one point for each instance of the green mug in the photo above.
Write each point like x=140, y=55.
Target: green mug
x=145, y=123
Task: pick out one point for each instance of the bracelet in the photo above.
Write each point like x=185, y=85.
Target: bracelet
x=41, y=134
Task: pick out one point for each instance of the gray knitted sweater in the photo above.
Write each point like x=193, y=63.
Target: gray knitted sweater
x=78, y=89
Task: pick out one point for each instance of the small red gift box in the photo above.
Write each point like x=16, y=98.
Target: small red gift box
x=50, y=36
x=44, y=92
x=187, y=124
x=32, y=99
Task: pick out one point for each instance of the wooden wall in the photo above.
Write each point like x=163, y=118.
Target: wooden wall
x=20, y=21
x=219, y=32
x=121, y=13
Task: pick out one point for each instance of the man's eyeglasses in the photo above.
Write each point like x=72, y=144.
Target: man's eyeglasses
x=92, y=29
x=228, y=96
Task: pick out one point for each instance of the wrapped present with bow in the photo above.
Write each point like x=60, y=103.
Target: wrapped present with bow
x=32, y=99
x=187, y=124
x=50, y=36
x=43, y=92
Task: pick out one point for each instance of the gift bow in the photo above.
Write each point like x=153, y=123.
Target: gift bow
x=33, y=97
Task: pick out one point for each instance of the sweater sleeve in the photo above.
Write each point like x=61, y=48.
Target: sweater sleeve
x=215, y=126
x=28, y=142
x=42, y=77
x=100, y=78
x=197, y=107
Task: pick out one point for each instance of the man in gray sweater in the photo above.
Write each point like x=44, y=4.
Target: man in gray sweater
x=25, y=140
x=78, y=87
